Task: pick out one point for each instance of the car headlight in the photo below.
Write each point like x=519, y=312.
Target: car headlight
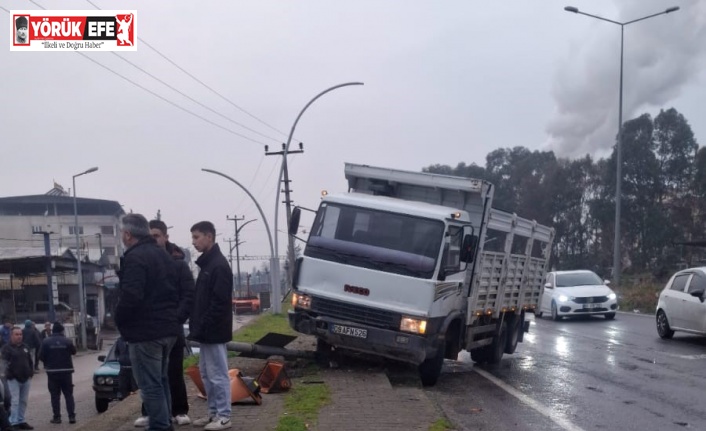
x=301, y=301
x=108, y=380
x=416, y=326
x=563, y=298
x=100, y=380
x=612, y=296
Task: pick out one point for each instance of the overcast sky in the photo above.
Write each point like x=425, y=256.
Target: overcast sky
x=445, y=82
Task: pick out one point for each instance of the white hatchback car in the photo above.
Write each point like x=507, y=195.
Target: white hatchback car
x=681, y=304
x=576, y=293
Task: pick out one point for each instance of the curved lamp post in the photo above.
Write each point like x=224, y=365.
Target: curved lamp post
x=81, y=287
x=290, y=251
x=274, y=262
x=619, y=156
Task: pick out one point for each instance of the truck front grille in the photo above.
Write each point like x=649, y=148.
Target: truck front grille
x=356, y=313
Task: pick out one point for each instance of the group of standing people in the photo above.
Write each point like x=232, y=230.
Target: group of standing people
x=21, y=351
x=157, y=295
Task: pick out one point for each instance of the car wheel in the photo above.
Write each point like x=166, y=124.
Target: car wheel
x=663, y=328
x=538, y=313
x=609, y=316
x=555, y=313
x=101, y=404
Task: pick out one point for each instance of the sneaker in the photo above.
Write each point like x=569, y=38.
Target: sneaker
x=219, y=424
x=204, y=421
x=26, y=426
x=142, y=422
x=55, y=421
x=182, y=419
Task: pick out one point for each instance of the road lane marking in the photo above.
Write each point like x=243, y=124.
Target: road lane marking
x=690, y=357
x=542, y=409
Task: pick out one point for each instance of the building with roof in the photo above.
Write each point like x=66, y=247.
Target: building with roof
x=24, y=223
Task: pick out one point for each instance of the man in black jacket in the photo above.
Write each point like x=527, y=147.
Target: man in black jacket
x=146, y=316
x=211, y=324
x=184, y=283
x=19, y=372
x=56, y=354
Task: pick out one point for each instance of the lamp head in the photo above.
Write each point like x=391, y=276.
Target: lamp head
x=571, y=9
x=672, y=9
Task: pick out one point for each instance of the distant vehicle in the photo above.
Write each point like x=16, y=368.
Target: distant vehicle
x=577, y=293
x=246, y=304
x=105, y=377
x=681, y=304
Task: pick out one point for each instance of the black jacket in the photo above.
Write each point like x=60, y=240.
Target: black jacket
x=211, y=320
x=19, y=362
x=122, y=352
x=148, y=300
x=184, y=283
x=56, y=354
x=30, y=336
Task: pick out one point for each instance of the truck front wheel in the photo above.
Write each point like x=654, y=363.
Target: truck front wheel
x=430, y=369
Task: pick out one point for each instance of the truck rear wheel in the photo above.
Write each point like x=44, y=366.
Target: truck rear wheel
x=498, y=347
x=480, y=355
x=514, y=324
x=430, y=369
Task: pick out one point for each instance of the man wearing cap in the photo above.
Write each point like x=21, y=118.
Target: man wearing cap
x=21, y=36
x=30, y=336
x=56, y=354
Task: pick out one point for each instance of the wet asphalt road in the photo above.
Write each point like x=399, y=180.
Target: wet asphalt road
x=588, y=374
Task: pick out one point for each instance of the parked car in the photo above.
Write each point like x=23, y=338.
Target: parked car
x=681, y=304
x=576, y=293
x=105, y=378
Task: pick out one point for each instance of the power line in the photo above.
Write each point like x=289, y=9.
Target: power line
x=201, y=82
x=158, y=95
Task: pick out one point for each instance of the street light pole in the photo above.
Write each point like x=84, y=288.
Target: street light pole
x=619, y=150
x=235, y=219
x=285, y=151
x=81, y=287
x=274, y=261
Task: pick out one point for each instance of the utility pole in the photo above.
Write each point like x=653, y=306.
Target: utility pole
x=50, y=279
x=287, y=202
x=235, y=220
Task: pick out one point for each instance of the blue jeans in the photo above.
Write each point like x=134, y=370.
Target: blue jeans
x=19, y=392
x=213, y=365
x=149, y=367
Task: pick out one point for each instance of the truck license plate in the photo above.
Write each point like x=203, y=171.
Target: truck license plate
x=347, y=330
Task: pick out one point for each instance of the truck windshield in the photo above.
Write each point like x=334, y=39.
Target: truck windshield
x=390, y=242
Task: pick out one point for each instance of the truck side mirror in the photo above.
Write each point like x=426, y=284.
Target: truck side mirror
x=468, y=248
x=294, y=220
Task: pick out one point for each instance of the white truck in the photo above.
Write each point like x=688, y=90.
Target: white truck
x=416, y=267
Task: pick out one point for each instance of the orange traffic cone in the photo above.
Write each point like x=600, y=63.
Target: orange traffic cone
x=195, y=374
x=273, y=378
x=243, y=388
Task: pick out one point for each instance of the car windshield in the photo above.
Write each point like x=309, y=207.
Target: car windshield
x=578, y=279
x=110, y=357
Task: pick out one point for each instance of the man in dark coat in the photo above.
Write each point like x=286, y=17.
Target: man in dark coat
x=146, y=316
x=56, y=354
x=211, y=324
x=19, y=372
x=184, y=283
x=31, y=337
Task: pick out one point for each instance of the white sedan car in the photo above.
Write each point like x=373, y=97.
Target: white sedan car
x=681, y=304
x=576, y=293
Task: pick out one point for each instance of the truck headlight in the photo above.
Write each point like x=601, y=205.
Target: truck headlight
x=410, y=324
x=612, y=296
x=301, y=301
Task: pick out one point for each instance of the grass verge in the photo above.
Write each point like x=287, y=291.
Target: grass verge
x=302, y=405
x=442, y=424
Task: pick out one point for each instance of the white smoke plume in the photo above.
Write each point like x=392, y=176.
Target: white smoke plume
x=661, y=56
